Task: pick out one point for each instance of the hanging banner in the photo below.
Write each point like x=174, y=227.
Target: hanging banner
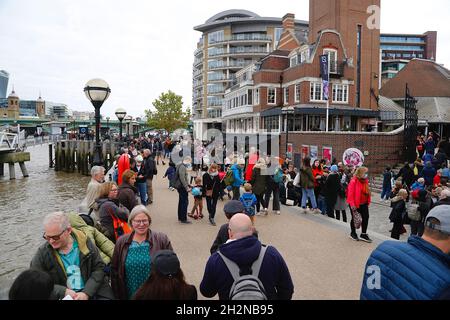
x=305, y=152
x=324, y=72
x=327, y=154
x=314, y=152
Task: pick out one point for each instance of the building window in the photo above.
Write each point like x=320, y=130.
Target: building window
x=332, y=58
x=286, y=95
x=278, y=33
x=294, y=61
x=297, y=92
x=316, y=91
x=271, y=124
x=340, y=93
x=217, y=36
x=256, y=97
x=271, y=95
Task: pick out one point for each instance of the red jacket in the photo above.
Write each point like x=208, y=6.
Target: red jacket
x=251, y=164
x=354, y=191
x=317, y=172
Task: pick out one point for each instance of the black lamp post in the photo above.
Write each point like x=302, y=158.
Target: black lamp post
x=287, y=111
x=107, y=125
x=128, y=120
x=97, y=91
x=120, y=114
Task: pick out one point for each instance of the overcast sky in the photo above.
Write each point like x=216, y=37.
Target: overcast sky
x=142, y=48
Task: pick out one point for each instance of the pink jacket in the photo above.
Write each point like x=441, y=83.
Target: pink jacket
x=354, y=191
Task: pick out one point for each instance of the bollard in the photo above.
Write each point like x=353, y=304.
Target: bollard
x=12, y=172
x=24, y=169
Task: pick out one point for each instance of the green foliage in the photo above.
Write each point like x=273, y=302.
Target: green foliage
x=168, y=114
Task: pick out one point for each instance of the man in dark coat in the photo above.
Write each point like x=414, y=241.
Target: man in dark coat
x=407, y=174
x=72, y=261
x=243, y=249
x=150, y=170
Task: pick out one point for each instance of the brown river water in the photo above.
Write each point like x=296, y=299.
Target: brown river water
x=24, y=203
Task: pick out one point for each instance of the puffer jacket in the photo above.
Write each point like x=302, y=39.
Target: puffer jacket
x=91, y=265
x=103, y=244
x=237, y=174
x=416, y=270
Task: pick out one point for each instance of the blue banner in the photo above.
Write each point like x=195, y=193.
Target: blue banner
x=324, y=72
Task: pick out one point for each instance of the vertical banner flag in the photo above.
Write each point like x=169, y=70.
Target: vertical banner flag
x=324, y=71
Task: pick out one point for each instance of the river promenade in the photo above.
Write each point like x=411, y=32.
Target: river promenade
x=324, y=263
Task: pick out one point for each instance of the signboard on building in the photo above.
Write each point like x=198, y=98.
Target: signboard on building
x=327, y=153
x=353, y=158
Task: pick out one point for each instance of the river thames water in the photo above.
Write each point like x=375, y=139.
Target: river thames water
x=24, y=203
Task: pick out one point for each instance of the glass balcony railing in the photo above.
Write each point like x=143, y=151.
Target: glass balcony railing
x=243, y=37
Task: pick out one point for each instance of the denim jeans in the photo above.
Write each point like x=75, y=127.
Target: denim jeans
x=142, y=188
x=386, y=193
x=308, y=193
x=322, y=204
x=183, y=203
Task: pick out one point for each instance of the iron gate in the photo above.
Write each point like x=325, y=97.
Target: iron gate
x=411, y=123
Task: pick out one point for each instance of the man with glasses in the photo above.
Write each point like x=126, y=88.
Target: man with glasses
x=72, y=260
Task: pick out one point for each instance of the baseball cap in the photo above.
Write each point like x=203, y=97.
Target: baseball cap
x=441, y=213
x=166, y=262
x=233, y=206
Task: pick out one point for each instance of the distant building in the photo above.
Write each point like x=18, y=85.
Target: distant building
x=4, y=78
x=398, y=49
x=429, y=83
x=83, y=115
x=230, y=41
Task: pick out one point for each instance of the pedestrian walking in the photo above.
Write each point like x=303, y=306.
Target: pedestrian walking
x=398, y=213
x=212, y=185
x=183, y=188
x=307, y=181
x=259, y=183
x=331, y=190
x=359, y=199
x=248, y=199
x=197, y=192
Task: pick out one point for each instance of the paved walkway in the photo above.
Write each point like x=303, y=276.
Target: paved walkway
x=324, y=263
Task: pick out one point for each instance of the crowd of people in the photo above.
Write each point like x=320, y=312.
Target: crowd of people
x=109, y=251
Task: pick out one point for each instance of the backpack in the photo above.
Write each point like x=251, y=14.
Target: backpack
x=229, y=178
x=249, y=208
x=414, y=212
x=278, y=176
x=246, y=287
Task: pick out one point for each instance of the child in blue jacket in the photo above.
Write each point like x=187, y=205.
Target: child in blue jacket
x=170, y=174
x=248, y=199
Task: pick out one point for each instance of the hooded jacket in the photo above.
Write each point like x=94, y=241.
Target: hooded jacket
x=274, y=273
x=103, y=244
x=416, y=270
x=91, y=265
x=259, y=181
x=398, y=210
x=237, y=175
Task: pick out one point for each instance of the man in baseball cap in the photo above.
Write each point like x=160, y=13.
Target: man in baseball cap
x=416, y=270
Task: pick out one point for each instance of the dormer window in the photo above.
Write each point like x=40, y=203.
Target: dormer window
x=332, y=58
x=294, y=61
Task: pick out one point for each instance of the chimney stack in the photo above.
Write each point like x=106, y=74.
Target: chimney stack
x=289, y=22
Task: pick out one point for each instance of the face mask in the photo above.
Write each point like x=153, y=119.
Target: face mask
x=213, y=174
x=366, y=176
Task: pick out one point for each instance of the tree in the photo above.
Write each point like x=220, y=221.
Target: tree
x=168, y=114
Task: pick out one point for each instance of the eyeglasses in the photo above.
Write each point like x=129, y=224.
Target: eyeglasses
x=114, y=190
x=54, y=238
x=139, y=222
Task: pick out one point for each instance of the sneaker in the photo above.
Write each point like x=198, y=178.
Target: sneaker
x=277, y=213
x=266, y=212
x=365, y=238
x=211, y=220
x=302, y=210
x=258, y=214
x=354, y=236
x=317, y=211
x=186, y=222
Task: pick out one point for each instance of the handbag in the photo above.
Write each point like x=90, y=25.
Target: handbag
x=209, y=193
x=357, y=219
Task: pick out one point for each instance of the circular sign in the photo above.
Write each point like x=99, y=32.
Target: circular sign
x=353, y=157
x=83, y=130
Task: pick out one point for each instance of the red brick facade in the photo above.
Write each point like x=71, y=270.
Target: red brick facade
x=382, y=149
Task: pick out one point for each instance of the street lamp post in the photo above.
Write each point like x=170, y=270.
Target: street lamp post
x=107, y=124
x=97, y=91
x=128, y=120
x=287, y=111
x=120, y=114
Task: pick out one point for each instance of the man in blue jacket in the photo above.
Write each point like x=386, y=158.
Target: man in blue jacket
x=417, y=270
x=243, y=249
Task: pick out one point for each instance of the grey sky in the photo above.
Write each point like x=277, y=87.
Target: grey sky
x=142, y=48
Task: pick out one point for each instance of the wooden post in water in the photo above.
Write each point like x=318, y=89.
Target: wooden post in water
x=2, y=169
x=50, y=155
x=72, y=155
x=57, y=156
x=12, y=172
x=24, y=169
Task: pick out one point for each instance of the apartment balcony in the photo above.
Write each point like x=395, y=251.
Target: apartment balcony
x=198, y=52
x=242, y=38
x=247, y=109
x=221, y=80
x=198, y=63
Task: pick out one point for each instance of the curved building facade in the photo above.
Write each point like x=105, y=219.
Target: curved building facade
x=231, y=40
